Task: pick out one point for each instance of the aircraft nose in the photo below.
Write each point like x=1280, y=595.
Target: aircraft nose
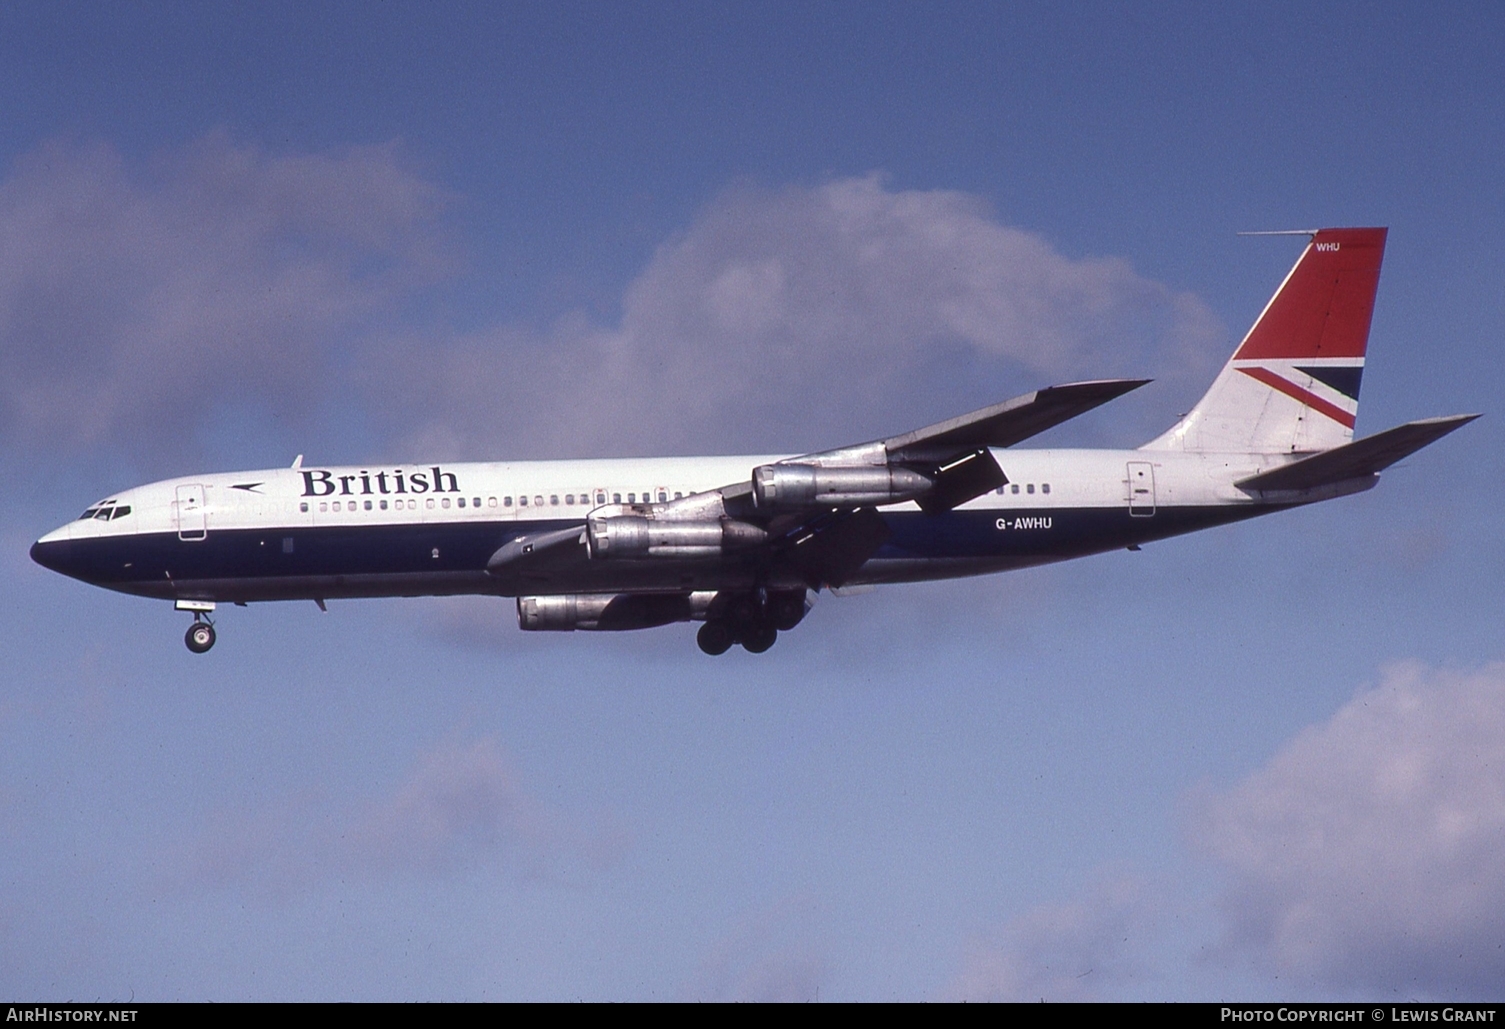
x=53, y=555
x=53, y=550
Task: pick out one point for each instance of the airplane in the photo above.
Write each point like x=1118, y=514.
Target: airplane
x=740, y=544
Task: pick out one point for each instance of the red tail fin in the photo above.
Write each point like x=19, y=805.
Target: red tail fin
x=1324, y=306
x=1292, y=386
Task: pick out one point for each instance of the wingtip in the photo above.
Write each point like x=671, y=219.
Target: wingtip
x=1107, y=385
x=1455, y=420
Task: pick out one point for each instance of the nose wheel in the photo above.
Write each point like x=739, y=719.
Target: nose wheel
x=200, y=635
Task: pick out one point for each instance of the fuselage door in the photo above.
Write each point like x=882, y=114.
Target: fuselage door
x=188, y=510
x=1141, y=489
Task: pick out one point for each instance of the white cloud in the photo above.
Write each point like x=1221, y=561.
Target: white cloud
x=771, y=956
x=805, y=315
x=134, y=301
x=1366, y=853
x=459, y=810
x=1083, y=950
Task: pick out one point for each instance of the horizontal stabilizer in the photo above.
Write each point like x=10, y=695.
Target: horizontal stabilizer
x=1003, y=425
x=1368, y=456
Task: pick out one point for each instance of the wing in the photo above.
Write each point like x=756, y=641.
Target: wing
x=813, y=518
x=953, y=456
x=1013, y=421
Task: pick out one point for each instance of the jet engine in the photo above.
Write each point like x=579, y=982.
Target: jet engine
x=630, y=536
x=609, y=612
x=784, y=486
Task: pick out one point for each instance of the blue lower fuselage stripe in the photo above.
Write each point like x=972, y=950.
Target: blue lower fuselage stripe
x=324, y=561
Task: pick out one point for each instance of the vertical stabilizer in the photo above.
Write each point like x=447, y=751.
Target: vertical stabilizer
x=1292, y=386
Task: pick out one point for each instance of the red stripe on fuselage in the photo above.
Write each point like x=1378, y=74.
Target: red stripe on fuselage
x=1295, y=392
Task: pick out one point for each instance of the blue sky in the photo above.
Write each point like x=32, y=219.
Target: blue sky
x=1258, y=762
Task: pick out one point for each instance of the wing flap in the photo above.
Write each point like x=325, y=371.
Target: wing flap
x=829, y=550
x=959, y=480
x=1363, y=457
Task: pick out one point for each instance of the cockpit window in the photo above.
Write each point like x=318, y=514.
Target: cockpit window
x=101, y=510
x=122, y=511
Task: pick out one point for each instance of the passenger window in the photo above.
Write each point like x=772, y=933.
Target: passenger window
x=522, y=501
x=663, y=498
x=383, y=505
x=600, y=497
x=1045, y=488
x=1030, y=488
x=569, y=498
x=429, y=503
x=553, y=500
x=537, y=500
x=616, y=498
x=491, y=501
x=632, y=498
x=444, y=502
x=461, y=502
x=1015, y=487
x=336, y=505
x=507, y=501
x=368, y=505
x=323, y=506
x=303, y=507
x=678, y=495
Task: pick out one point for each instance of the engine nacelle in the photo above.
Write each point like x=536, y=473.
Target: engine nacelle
x=609, y=612
x=783, y=486
x=642, y=536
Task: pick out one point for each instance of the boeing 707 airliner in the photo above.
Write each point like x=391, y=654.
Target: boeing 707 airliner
x=739, y=544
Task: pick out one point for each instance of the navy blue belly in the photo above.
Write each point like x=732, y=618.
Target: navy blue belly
x=375, y=560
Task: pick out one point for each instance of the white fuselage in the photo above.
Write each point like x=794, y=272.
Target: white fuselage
x=373, y=530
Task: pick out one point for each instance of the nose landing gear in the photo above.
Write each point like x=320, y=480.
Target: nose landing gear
x=200, y=635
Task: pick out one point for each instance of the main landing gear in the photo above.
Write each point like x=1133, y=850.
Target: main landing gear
x=754, y=621
x=200, y=635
